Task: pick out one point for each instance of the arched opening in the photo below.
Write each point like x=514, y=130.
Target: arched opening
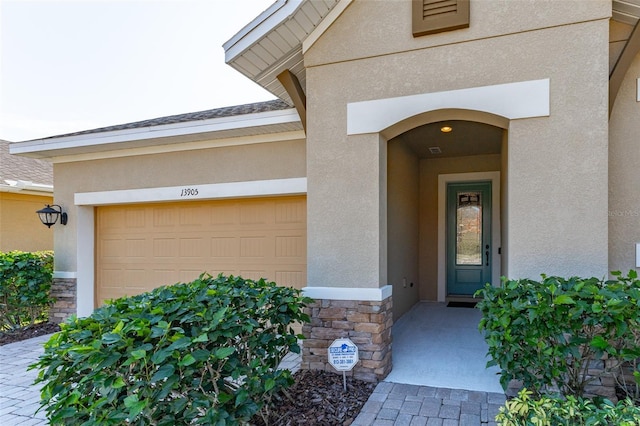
x=446, y=171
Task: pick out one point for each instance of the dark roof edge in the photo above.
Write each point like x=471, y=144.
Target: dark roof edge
x=229, y=111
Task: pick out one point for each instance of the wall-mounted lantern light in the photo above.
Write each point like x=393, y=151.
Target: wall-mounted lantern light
x=49, y=215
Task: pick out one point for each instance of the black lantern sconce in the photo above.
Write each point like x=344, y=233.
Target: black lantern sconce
x=49, y=215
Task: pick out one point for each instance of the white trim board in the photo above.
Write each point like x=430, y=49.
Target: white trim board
x=496, y=238
x=349, y=293
x=257, y=188
x=64, y=275
x=525, y=99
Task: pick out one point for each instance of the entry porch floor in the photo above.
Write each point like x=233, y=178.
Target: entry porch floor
x=439, y=346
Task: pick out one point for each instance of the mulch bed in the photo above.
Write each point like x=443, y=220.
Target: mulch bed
x=318, y=398
x=28, y=332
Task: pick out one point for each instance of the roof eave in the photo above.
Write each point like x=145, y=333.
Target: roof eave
x=211, y=129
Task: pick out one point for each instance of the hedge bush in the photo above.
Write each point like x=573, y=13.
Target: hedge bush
x=549, y=333
x=203, y=352
x=25, y=286
x=546, y=411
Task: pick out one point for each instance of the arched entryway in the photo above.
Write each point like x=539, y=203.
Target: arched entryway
x=444, y=215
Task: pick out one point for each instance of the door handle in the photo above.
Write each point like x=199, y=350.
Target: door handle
x=486, y=253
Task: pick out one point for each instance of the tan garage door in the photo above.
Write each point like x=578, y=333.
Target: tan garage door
x=140, y=247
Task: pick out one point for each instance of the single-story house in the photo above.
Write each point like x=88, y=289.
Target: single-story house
x=416, y=151
x=26, y=185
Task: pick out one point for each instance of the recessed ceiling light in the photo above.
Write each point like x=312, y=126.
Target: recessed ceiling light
x=446, y=129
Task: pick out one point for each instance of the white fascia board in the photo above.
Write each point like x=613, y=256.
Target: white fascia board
x=25, y=187
x=155, y=132
x=215, y=191
x=253, y=32
x=525, y=99
x=349, y=293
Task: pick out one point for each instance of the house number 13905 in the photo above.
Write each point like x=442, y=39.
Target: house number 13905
x=189, y=192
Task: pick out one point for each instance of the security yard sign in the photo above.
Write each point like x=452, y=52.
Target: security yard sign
x=343, y=354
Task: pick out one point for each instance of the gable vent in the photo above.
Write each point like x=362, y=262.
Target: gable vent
x=438, y=7
x=434, y=16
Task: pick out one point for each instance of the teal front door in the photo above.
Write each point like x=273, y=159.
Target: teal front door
x=468, y=237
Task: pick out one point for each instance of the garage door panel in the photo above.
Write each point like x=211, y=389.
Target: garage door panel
x=290, y=212
x=225, y=247
x=140, y=247
x=135, y=218
x=193, y=247
x=165, y=247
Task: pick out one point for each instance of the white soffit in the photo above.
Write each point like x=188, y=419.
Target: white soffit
x=273, y=41
x=524, y=99
x=212, y=129
x=626, y=11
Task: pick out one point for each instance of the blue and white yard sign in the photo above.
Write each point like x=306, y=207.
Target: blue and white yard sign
x=343, y=354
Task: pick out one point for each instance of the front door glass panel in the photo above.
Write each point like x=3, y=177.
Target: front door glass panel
x=468, y=228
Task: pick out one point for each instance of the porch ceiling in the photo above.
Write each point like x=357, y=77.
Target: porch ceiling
x=466, y=138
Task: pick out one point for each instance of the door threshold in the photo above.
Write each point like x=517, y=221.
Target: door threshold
x=465, y=299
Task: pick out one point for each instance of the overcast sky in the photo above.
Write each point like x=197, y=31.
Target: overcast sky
x=77, y=65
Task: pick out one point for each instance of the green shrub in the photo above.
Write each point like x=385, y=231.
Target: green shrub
x=25, y=285
x=548, y=334
x=204, y=352
x=546, y=411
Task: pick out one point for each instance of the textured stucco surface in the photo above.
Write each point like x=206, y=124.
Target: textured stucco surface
x=403, y=193
x=20, y=227
x=392, y=33
x=276, y=160
x=557, y=165
x=624, y=174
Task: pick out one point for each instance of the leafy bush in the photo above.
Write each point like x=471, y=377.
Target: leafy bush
x=546, y=411
x=549, y=334
x=204, y=352
x=25, y=284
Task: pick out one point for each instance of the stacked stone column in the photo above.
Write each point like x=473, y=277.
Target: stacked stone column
x=367, y=324
x=63, y=290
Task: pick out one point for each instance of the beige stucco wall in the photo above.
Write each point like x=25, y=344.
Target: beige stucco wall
x=403, y=226
x=383, y=27
x=20, y=227
x=274, y=160
x=557, y=165
x=429, y=171
x=624, y=174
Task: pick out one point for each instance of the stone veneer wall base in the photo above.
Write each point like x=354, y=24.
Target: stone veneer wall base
x=63, y=290
x=367, y=324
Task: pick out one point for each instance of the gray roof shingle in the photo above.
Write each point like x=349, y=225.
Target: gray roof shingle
x=230, y=111
x=15, y=167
